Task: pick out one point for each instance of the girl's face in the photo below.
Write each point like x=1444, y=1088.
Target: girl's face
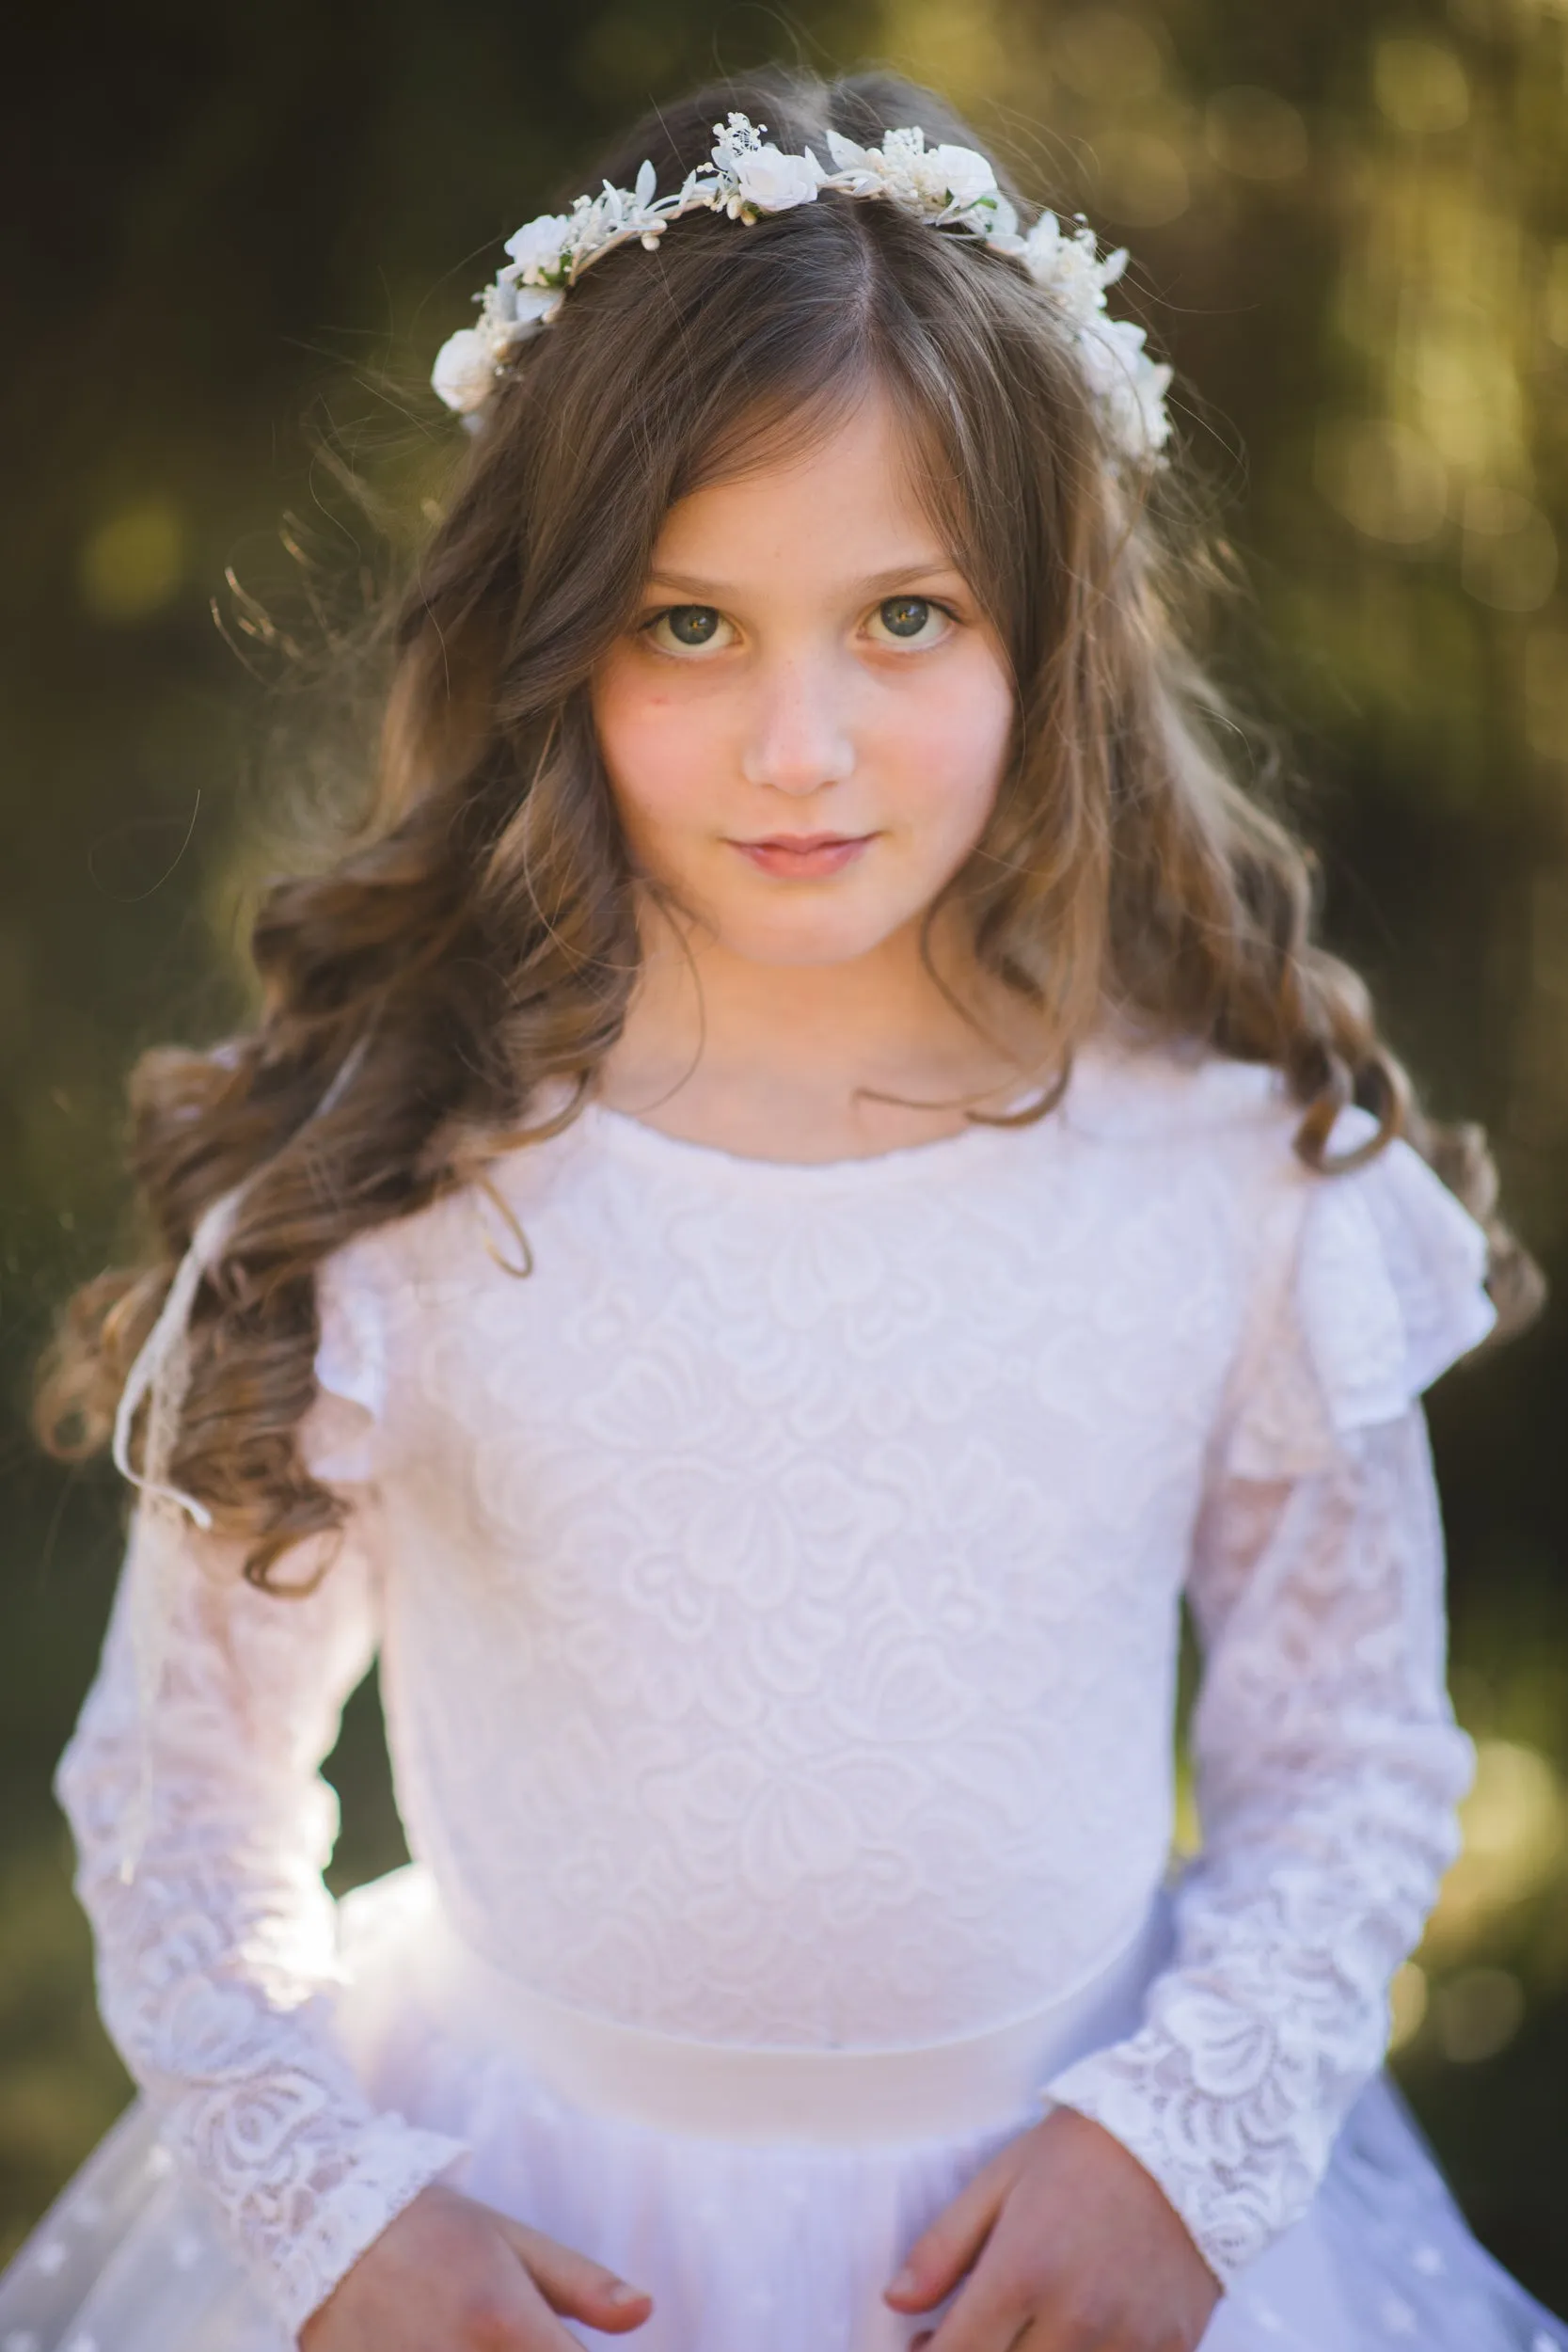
x=805, y=726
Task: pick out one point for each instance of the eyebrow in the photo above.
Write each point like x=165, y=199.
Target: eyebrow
x=714, y=591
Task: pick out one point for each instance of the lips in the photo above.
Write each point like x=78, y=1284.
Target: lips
x=804, y=856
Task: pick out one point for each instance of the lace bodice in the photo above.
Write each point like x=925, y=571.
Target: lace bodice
x=776, y=1593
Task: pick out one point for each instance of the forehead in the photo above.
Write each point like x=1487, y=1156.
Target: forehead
x=848, y=493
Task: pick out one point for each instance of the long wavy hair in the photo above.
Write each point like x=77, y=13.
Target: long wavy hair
x=475, y=943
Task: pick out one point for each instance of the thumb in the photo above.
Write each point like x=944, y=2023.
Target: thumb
x=572, y=2284
x=939, y=2259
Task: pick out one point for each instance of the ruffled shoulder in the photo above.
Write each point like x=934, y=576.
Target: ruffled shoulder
x=339, y=1439
x=1369, y=1286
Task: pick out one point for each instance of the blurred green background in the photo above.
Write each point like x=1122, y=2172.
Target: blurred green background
x=231, y=233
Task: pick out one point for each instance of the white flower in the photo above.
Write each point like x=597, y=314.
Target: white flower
x=535, y=306
x=901, y=151
x=845, y=154
x=964, y=176
x=1127, y=383
x=506, y=307
x=1153, y=382
x=931, y=181
x=1040, y=245
x=539, y=248
x=897, y=171
x=1001, y=231
x=468, y=362
x=510, y=314
x=464, y=372
x=1066, y=266
x=771, y=182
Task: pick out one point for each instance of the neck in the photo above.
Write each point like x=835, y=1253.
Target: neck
x=789, y=1060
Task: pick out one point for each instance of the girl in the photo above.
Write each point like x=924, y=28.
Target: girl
x=798, y=1187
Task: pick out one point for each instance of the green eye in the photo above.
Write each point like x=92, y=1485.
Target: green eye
x=905, y=617
x=693, y=624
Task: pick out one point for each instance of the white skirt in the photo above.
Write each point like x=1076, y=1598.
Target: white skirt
x=764, y=2198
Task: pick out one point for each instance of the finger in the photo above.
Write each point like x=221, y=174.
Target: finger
x=574, y=2284
x=939, y=2259
x=993, y=2311
x=977, y=2330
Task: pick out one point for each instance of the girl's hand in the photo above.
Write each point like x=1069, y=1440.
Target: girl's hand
x=448, y=2275
x=1069, y=2246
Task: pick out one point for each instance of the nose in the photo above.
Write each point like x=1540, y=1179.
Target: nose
x=799, y=738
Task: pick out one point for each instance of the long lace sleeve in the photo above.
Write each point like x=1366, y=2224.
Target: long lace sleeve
x=1328, y=1764
x=217, y=1950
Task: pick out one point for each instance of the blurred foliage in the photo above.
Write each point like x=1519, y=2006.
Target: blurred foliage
x=241, y=231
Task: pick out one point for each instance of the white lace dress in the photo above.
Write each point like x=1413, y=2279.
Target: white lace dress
x=777, y=1597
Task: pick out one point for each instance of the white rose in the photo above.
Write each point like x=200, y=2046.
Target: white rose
x=965, y=176
x=773, y=181
x=464, y=372
x=538, y=246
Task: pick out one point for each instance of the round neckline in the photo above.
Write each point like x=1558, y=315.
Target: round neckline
x=1131, y=1094
x=639, y=1139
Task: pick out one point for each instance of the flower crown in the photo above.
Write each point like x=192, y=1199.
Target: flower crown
x=949, y=188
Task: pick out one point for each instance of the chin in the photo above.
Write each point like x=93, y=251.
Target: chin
x=805, y=942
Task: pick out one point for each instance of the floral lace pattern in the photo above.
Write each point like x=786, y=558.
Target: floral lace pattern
x=777, y=1594
x=1328, y=1768
x=216, y=1960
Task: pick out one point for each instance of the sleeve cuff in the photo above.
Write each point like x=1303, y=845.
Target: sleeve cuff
x=1234, y=2196
x=390, y=2166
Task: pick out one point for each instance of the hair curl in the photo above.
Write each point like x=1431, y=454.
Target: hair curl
x=478, y=938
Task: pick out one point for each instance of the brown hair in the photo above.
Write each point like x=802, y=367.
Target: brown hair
x=478, y=939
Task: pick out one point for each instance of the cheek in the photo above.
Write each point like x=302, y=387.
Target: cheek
x=951, y=742
x=655, y=747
